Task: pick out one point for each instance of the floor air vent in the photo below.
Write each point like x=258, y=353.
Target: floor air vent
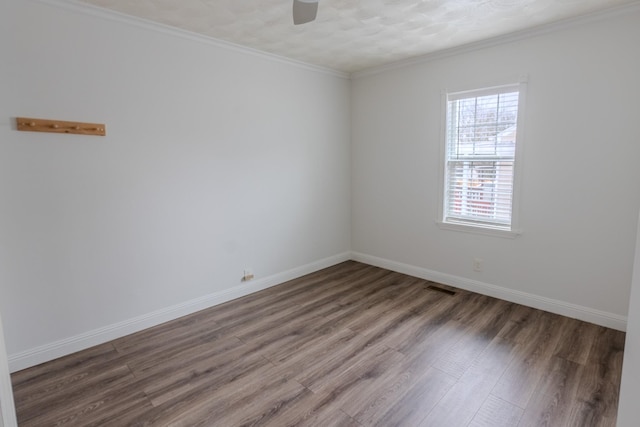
x=439, y=289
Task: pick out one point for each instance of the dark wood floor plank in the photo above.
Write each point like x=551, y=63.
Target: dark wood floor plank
x=65, y=376
x=116, y=408
x=328, y=359
x=412, y=406
x=460, y=404
x=458, y=357
x=252, y=406
x=416, y=331
x=252, y=307
x=174, y=332
x=67, y=365
x=553, y=398
x=585, y=414
x=359, y=367
x=521, y=378
x=208, y=377
x=163, y=361
x=73, y=405
x=462, y=401
x=600, y=385
x=352, y=389
x=329, y=418
x=495, y=412
x=523, y=321
x=212, y=393
x=322, y=347
x=372, y=289
x=484, y=308
x=311, y=410
x=395, y=390
x=576, y=341
x=298, y=316
x=476, y=338
x=393, y=310
x=350, y=345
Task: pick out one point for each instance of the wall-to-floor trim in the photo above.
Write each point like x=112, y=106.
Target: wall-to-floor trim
x=88, y=339
x=575, y=311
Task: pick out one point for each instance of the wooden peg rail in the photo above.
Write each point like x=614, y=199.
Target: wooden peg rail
x=59, y=126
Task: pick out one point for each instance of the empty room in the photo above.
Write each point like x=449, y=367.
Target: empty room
x=319, y=213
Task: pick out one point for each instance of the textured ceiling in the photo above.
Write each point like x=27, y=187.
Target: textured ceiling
x=351, y=35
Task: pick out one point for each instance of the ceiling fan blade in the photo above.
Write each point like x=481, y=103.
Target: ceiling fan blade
x=304, y=11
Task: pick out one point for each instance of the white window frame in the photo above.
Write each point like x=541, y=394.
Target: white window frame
x=514, y=229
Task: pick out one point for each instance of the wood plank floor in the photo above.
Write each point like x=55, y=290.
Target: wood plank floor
x=349, y=345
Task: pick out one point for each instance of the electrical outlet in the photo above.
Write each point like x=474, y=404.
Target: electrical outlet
x=477, y=264
x=248, y=275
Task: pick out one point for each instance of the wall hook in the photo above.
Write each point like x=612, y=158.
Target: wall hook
x=59, y=126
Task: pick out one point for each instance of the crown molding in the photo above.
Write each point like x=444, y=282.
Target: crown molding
x=538, y=30
x=92, y=10
x=99, y=12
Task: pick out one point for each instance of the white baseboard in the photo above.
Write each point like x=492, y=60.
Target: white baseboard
x=587, y=314
x=88, y=339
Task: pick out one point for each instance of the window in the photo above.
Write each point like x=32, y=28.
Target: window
x=480, y=158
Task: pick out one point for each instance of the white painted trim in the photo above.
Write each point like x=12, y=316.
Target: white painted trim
x=495, y=230
x=486, y=231
x=112, y=15
x=7, y=406
x=503, y=39
x=88, y=339
x=575, y=311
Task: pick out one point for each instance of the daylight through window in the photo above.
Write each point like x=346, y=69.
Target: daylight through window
x=481, y=130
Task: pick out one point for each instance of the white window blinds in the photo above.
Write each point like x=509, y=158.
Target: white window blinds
x=481, y=129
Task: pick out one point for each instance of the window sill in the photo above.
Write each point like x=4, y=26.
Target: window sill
x=487, y=231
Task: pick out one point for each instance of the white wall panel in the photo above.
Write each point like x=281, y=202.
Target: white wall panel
x=581, y=184
x=214, y=160
x=628, y=410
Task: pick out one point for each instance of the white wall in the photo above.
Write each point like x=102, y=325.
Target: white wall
x=7, y=406
x=214, y=160
x=628, y=408
x=581, y=182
